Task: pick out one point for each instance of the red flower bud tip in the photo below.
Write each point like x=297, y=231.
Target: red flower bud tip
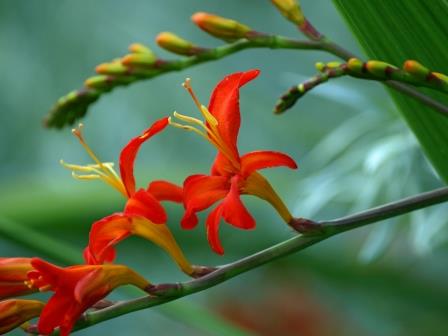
x=139, y=60
x=176, y=44
x=14, y=312
x=416, y=69
x=220, y=27
x=291, y=10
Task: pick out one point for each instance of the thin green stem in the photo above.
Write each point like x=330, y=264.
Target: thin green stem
x=169, y=292
x=74, y=105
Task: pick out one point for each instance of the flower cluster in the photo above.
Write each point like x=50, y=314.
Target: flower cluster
x=80, y=287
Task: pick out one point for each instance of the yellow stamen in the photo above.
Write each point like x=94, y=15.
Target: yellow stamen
x=188, y=87
x=100, y=170
x=188, y=128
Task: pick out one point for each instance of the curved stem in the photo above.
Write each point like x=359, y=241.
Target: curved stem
x=74, y=105
x=168, y=292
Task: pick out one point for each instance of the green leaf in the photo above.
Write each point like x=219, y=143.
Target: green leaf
x=395, y=31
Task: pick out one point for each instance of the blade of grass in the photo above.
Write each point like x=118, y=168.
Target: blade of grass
x=394, y=31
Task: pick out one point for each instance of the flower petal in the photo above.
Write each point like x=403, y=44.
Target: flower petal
x=166, y=191
x=212, y=225
x=161, y=235
x=104, y=235
x=200, y=192
x=253, y=161
x=233, y=212
x=54, y=312
x=93, y=284
x=129, y=153
x=142, y=203
x=224, y=105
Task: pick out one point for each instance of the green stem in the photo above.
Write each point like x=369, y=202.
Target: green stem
x=74, y=105
x=170, y=292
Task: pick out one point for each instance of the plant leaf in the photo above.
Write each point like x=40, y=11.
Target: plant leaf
x=395, y=31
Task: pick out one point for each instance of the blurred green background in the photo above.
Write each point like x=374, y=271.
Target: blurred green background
x=353, y=150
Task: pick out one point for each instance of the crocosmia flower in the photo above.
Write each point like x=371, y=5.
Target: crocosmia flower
x=143, y=213
x=15, y=312
x=13, y=273
x=76, y=288
x=232, y=174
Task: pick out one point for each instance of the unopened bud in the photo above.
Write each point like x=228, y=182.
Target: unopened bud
x=291, y=10
x=112, y=68
x=416, y=69
x=98, y=82
x=355, y=65
x=142, y=60
x=176, y=44
x=138, y=48
x=220, y=27
x=380, y=69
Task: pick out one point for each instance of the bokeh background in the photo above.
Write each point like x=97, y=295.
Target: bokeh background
x=353, y=149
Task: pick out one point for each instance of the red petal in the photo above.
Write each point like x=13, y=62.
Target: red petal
x=200, y=192
x=224, y=105
x=233, y=210
x=104, y=235
x=253, y=161
x=54, y=312
x=166, y=191
x=129, y=153
x=212, y=225
x=142, y=203
x=50, y=273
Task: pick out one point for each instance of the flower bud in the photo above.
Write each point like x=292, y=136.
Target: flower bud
x=139, y=60
x=14, y=312
x=380, y=69
x=416, y=69
x=220, y=27
x=138, y=48
x=291, y=10
x=176, y=44
x=112, y=68
x=13, y=274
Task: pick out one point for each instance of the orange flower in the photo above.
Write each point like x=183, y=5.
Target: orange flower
x=13, y=273
x=143, y=214
x=232, y=174
x=15, y=312
x=76, y=289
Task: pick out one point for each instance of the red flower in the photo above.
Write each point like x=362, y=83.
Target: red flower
x=143, y=213
x=231, y=173
x=15, y=312
x=76, y=289
x=13, y=273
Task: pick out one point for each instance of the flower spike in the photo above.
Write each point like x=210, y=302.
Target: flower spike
x=223, y=28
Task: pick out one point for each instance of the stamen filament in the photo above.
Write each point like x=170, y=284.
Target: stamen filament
x=188, y=128
x=188, y=87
